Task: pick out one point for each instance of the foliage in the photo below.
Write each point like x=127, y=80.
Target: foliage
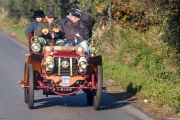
x=148, y=66
x=171, y=23
x=27, y=7
x=123, y=13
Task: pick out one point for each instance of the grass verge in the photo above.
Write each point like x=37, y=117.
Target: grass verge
x=13, y=26
x=142, y=64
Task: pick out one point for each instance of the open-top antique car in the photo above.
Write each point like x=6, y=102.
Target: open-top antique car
x=62, y=70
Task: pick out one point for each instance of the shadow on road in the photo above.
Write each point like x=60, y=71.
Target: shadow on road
x=67, y=101
x=109, y=101
x=116, y=100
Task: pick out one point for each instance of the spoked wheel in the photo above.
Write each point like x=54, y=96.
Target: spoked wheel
x=31, y=87
x=25, y=90
x=99, y=84
x=89, y=97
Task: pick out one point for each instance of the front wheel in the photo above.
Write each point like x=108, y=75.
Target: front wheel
x=25, y=90
x=31, y=87
x=99, y=84
x=25, y=95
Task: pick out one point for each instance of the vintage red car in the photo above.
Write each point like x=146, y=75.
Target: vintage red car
x=62, y=70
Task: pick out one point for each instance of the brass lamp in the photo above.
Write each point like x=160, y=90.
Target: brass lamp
x=93, y=47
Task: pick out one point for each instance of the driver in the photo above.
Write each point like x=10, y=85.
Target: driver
x=44, y=27
x=78, y=28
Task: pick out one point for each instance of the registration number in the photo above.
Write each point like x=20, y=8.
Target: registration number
x=65, y=80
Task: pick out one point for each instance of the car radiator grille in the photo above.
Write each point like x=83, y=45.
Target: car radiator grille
x=65, y=67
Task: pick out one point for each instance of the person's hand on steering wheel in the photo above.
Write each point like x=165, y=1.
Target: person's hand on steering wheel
x=56, y=29
x=45, y=31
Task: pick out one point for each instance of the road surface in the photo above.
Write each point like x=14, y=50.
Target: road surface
x=12, y=106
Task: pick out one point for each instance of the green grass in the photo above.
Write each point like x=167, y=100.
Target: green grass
x=142, y=64
x=13, y=26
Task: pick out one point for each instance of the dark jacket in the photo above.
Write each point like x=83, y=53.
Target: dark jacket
x=31, y=27
x=45, y=25
x=80, y=30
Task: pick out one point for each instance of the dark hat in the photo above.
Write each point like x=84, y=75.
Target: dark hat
x=75, y=11
x=38, y=13
x=72, y=8
x=50, y=14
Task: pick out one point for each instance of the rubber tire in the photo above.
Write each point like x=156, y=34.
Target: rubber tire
x=31, y=87
x=89, y=97
x=99, y=84
x=25, y=90
x=25, y=95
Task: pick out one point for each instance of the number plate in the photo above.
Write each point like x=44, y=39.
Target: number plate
x=65, y=80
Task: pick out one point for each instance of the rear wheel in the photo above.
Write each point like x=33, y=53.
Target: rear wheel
x=99, y=84
x=31, y=87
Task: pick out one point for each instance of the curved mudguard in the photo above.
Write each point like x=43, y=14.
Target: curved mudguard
x=35, y=60
x=93, y=63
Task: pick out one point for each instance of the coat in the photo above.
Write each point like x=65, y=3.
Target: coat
x=45, y=25
x=31, y=27
x=77, y=31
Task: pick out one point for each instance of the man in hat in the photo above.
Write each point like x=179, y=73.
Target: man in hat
x=47, y=25
x=38, y=15
x=78, y=28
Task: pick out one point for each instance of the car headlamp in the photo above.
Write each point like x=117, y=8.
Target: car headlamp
x=93, y=48
x=82, y=63
x=35, y=47
x=49, y=63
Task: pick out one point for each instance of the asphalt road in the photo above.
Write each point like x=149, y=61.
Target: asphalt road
x=12, y=106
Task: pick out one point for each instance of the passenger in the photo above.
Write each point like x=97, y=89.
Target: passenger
x=43, y=28
x=38, y=15
x=78, y=28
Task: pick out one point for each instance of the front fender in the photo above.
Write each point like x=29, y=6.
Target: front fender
x=35, y=60
x=93, y=63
